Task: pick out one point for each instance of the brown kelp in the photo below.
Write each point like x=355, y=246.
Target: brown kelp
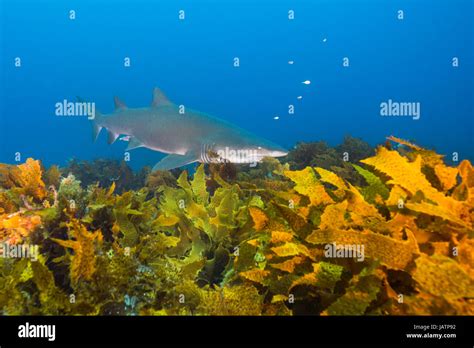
x=105, y=171
x=391, y=235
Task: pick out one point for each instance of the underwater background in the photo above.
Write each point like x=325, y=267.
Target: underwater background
x=192, y=61
x=366, y=215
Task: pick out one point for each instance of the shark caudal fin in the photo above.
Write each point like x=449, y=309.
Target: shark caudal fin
x=96, y=125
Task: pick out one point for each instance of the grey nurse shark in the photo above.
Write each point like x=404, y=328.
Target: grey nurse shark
x=187, y=137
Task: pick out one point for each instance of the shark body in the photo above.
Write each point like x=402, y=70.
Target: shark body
x=186, y=137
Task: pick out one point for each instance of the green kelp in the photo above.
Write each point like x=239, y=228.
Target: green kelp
x=393, y=235
x=337, y=159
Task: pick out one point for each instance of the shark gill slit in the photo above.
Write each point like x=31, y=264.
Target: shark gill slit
x=204, y=157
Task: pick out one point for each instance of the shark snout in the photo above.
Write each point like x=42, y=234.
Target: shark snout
x=278, y=153
x=273, y=150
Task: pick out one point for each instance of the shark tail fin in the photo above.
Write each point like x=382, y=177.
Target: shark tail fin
x=96, y=121
x=95, y=129
x=96, y=125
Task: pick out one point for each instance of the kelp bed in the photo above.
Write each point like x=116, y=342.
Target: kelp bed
x=245, y=244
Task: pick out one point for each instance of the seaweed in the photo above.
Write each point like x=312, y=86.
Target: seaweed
x=104, y=172
x=389, y=232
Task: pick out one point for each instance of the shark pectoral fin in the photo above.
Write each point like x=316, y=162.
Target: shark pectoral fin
x=133, y=144
x=112, y=137
x=175, y=161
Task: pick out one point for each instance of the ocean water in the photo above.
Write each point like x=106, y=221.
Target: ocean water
x=425, y=58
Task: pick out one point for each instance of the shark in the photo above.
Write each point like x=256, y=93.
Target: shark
x=185, y=135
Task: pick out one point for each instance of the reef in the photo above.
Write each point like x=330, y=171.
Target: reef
x=385, y=231
x=104, y=172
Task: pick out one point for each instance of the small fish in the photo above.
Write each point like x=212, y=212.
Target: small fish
x=324, y=40
x=276, y=117
x=299, y=97
x=400, y=146
x=125, y=138
x=291, y=62
x=307, y=82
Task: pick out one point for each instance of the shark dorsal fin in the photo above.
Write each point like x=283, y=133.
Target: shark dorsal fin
x=159, y=98
x=119, y=105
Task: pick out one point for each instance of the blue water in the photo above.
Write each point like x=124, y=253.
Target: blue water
x=191, y=60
